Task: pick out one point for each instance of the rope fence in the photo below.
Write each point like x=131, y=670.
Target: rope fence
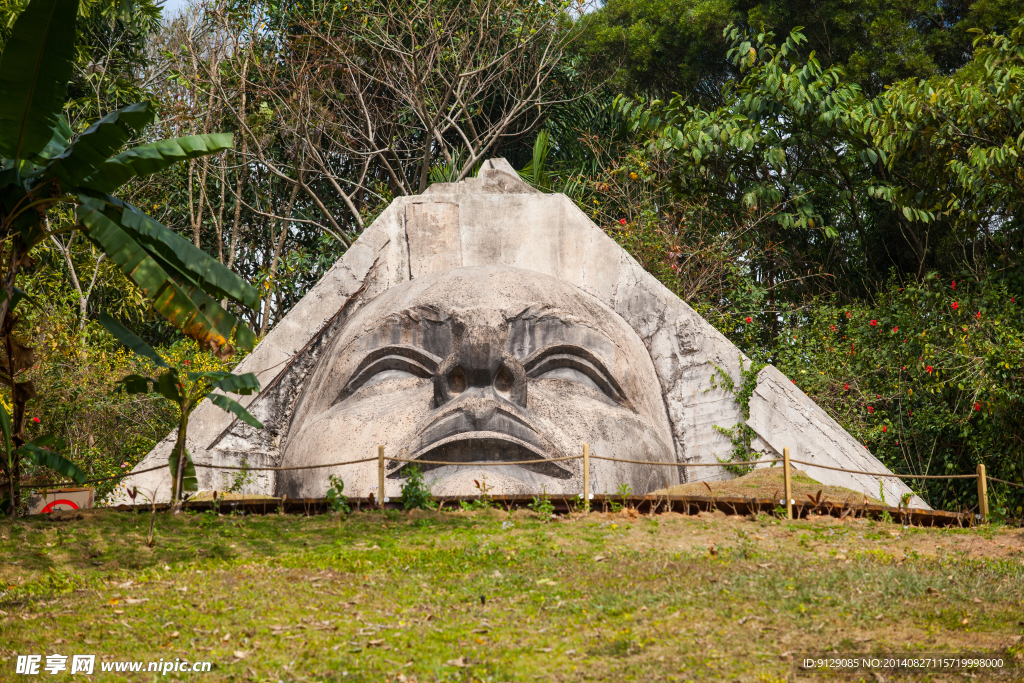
x=586, y=457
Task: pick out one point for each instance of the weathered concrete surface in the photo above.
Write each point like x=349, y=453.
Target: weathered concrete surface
x=495, y=220
x=419, y=370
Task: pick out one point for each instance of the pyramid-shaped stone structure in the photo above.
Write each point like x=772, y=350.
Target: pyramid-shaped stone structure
x=484, y=320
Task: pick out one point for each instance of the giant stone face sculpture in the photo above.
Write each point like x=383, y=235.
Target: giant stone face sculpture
x=483, y=364
x=486, y=321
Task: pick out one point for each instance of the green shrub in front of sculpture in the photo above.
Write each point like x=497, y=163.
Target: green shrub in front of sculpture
x=337, y=500
x=415, y=492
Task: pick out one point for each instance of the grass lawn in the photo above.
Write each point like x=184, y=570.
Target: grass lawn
x=496, y=596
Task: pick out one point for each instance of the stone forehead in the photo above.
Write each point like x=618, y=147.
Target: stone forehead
x=487, y=296
x=529, y=311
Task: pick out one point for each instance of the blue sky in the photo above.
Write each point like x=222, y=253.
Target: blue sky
x=171, y=7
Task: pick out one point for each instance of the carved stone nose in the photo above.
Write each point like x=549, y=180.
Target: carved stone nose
x=480, y=368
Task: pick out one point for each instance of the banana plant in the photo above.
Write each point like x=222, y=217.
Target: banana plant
x=43, y=164
x=186, y=390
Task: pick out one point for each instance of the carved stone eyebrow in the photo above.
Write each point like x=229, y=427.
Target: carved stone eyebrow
x=411, y=359
x=580, y=359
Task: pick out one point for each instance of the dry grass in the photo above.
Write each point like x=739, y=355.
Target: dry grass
x=768, y=482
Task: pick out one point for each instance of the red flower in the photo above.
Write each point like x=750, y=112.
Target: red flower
x=36, y=420
x=874, y=323
x=896, y=329
x=793, y=381
x=747, y=319
x=884, y=429
x=871, y=409
x=831, y=328
x=954, y=284
x=977, y=407
x=622, y=221
x=849, y=314
x=979, y=315
x=929, y=369
x=955, y=305
x=846, y=387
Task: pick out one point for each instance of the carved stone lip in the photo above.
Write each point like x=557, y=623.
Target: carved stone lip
x=485, y=446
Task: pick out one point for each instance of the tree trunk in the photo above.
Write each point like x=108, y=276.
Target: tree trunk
x=179, y=447
x=18, y=397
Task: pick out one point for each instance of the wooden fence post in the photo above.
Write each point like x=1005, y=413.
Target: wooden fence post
x=789, y=484
x=380, y=476
x=586, y=477
x=982, y=493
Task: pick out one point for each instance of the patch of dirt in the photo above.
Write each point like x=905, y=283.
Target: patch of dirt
x=768, y=482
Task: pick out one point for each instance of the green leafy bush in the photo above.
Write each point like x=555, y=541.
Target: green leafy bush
x=335, y=498
x=929, y=377
x=415, y=492
x=542, y=505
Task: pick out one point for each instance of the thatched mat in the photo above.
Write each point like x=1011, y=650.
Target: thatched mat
x=224, y=495
x=768, y=482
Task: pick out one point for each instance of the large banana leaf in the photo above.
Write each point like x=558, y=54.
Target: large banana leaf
x=168, y=298
x=59, y=142
x=153, y=158
x=236, y=384
x=34, y=71
x=222, y=401
x=223, y=321
x=128, y=338
x=185, y=257
x=5, y=425
x=102, y=139
x=167, y=386
x=190, y=483
x=54, y=461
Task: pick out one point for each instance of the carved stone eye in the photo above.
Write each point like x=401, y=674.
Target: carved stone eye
x=571, y=374
x=503, y=381
x=385, y=375
x=457, y=381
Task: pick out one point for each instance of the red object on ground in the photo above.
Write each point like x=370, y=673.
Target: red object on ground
x=59, y=501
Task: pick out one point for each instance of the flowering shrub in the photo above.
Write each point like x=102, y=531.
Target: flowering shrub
x=945, y=394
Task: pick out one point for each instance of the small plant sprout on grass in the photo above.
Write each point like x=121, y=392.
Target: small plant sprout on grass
x=484, y=501
x=241, y=479
x=335, y=498
x=624, y=491
x=542, y=505
x=415, y=492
